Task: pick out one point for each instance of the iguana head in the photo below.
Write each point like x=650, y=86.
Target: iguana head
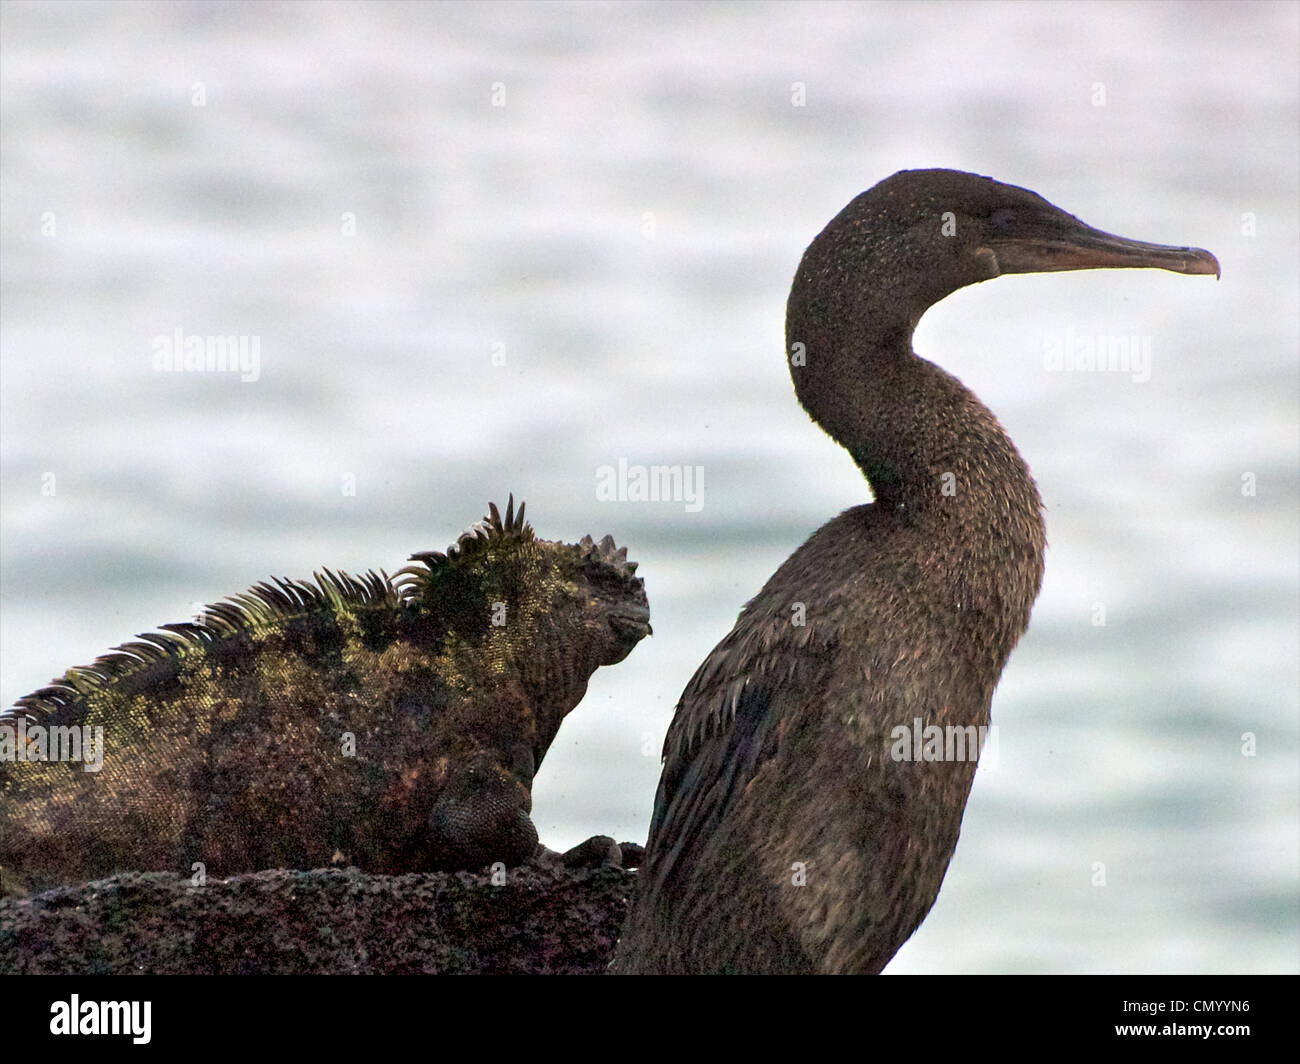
x=557, y=610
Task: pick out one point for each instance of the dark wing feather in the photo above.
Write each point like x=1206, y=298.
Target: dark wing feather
x=701, y=783
x=724, y=729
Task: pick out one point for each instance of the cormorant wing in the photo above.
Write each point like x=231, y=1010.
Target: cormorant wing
x=723, y=731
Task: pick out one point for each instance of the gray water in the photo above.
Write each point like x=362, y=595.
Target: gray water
x=596, y=270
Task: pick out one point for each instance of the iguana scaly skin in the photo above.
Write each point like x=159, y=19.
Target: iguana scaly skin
x=390, y=723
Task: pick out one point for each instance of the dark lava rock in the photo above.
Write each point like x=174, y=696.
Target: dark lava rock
x=538, y=918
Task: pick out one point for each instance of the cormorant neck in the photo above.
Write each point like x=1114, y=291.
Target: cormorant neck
x=926, y=444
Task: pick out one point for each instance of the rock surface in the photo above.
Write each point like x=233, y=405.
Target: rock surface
x=543, y=917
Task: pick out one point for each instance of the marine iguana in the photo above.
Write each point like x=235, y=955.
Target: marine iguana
x=394, y=724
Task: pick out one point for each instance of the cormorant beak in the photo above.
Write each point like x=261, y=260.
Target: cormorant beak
x=1062, y=242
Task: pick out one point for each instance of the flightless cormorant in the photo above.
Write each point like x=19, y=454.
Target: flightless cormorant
x=791, y=831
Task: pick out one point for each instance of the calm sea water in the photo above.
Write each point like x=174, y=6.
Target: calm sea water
x=492, y=248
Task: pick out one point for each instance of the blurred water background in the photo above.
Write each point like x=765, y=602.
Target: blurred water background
x=489, y=248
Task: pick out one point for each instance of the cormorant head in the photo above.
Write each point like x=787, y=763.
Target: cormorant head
x=900, y=247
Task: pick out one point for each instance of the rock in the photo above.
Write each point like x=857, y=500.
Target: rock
x=538, y=918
